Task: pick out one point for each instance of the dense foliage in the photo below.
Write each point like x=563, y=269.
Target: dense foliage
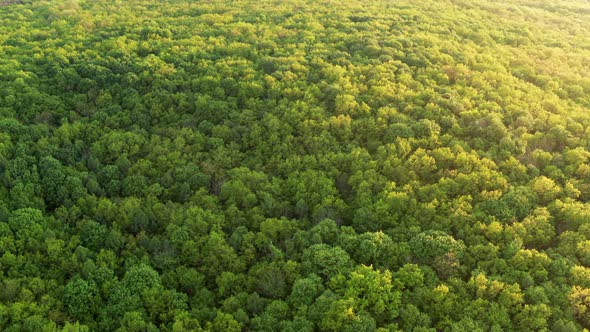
x=295, y=165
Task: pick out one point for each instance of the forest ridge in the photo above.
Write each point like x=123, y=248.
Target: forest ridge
x=295, y=165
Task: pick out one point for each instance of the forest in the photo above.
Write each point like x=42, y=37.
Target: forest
x=295, y=165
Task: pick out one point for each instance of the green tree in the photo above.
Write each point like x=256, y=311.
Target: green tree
x=325, y=261
x=80, y=296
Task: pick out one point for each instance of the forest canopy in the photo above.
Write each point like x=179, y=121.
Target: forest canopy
x=295, y=165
